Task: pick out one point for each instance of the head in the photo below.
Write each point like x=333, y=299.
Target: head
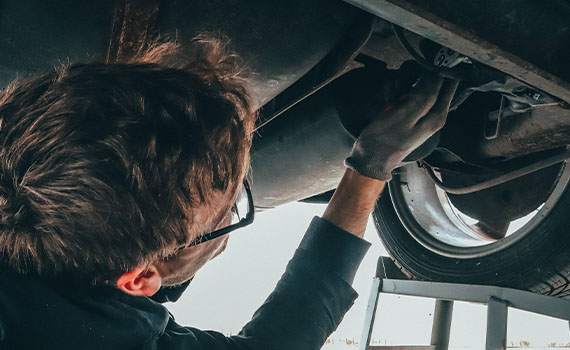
x=107, y=170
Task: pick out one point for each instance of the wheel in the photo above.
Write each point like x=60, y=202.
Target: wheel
x=430, y=238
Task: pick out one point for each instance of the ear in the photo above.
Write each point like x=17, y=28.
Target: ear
x=140, y=281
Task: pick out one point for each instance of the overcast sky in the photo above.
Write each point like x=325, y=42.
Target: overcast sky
x=227, y=291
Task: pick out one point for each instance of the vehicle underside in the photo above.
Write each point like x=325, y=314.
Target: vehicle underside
x=483, y=201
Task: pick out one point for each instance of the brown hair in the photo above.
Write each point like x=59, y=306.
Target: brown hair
x=101, y=164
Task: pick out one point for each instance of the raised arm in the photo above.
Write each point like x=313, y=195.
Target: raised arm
x=314, y=293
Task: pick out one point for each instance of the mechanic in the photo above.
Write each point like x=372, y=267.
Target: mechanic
x=110, y=175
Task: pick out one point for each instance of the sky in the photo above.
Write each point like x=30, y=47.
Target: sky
x=226, y=292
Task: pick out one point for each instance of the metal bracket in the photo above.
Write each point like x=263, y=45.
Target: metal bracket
x=448, y=58
x=491, y=133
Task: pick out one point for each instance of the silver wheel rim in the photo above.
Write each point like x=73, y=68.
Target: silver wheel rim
x=429, y=217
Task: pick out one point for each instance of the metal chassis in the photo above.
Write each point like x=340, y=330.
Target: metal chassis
x=498, y=300
x=466, y=28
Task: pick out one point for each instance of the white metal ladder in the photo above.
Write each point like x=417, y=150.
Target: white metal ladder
x=389, y=280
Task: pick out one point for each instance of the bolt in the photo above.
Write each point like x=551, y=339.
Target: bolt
x=440, y=60
x=536, y=96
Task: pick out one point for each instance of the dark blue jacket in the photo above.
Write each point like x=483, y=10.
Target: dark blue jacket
x=304, y=309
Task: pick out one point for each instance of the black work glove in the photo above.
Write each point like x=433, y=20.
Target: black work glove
x=393, y=134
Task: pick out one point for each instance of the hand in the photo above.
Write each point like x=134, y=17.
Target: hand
x=392, y=135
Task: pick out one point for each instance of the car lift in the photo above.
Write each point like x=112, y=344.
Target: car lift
x=390, y=280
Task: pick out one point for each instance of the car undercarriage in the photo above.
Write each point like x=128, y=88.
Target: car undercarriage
x=483, y=201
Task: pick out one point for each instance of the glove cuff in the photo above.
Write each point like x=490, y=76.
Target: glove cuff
x=362, y=166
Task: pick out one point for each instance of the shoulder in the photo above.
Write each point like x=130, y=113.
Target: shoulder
x=64, y=318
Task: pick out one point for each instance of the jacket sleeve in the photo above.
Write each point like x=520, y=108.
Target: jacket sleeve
x=306, y=306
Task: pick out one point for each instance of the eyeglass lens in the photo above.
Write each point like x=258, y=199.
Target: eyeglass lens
x=241, y=207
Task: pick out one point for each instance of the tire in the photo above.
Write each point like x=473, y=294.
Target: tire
x=536, y=257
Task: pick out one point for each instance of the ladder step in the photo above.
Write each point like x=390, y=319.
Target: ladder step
x=402, y=347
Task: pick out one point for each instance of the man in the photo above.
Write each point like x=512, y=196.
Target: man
x=112, y=175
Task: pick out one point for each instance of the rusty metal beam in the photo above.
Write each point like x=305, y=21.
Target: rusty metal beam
x=484, y=31
x=134, y=26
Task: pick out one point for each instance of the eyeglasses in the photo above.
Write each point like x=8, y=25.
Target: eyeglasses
x=242, y=215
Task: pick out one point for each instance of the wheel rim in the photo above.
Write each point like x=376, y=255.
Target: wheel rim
x=430, y=218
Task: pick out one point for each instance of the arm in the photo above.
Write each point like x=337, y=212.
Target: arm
x=314, y=293
x=353, y=201
x=306, y=306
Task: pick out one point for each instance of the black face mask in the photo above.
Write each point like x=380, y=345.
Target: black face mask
x=171, y=293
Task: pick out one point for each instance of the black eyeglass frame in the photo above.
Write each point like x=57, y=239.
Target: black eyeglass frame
x=242, y=223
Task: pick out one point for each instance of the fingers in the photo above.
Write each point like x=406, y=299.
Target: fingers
x=404, y=78
x=422, y=98
x=435, y=119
